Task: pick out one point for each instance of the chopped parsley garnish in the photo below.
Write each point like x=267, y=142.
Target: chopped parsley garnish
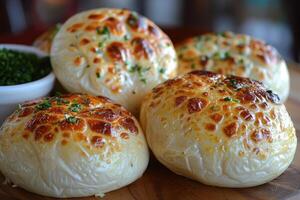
x=59, y=100
x=75, y=107
x=193, y=66
x=71, y=119
x=143, y=80
x=241, y=61
x=227, y=55
x=100, y=44
x=162, y=70
x=44, y=105
x=234, y=83
x=126, y=37
x=98, y=74
x=222, y=55
x=140, y=70
x=103, y=31
x=19, y=67
x=231, y=99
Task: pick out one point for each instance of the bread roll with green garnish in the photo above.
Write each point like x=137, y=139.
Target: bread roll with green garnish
x=112, y=52
x=235, y=54
x=222, y=131
x=72, y=146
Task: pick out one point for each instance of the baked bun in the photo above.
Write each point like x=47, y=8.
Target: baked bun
x=112, y=52
x=44, y=41
x=235, y=54
x=221, y=131
x=72, y=146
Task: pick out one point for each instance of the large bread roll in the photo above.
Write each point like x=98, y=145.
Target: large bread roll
x=222, y=131
x=112, y=52
x=235, y=54
x=72, y=146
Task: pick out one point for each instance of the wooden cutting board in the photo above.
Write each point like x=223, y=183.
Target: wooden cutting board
x=160, y=183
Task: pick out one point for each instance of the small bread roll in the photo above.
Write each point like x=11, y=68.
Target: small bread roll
x=112, y=52
x=235, y=54
x=44, y=41
x=221, y=131
x=72, y=146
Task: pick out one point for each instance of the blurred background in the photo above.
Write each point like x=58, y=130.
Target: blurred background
x=275, y=21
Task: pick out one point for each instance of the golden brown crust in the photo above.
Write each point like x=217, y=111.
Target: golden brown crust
x=226, y=100
x=73, y=117
x=235, y=54
x=113, y=52
x=220, y=130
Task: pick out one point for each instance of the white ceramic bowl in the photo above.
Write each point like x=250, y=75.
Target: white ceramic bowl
x=11, y=96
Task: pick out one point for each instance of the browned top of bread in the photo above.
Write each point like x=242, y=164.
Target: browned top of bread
x=229, y=103
x=94, y=121
x=235, y=54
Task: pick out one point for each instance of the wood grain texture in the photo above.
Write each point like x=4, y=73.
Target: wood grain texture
x=159, y=183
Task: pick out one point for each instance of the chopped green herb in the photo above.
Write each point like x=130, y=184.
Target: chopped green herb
x=227, y=99
x=227, y=55
x=44, y=105
x=103, y=31
x=75, y=107
x=241, y=61
x=233, y=82
x=87, y=66
x=59, y=100
x=98, y=75
x=221, y=55
x=143, y=80
x=236, y=100
x=139, y=69
x=126, y=37
x=71, y=119
x=231, y=99
x=168, y=44
x=100, y=45
x=162, y=70
x=19, y=67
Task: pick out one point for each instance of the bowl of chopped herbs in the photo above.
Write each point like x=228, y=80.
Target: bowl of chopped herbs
x=25, y=74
